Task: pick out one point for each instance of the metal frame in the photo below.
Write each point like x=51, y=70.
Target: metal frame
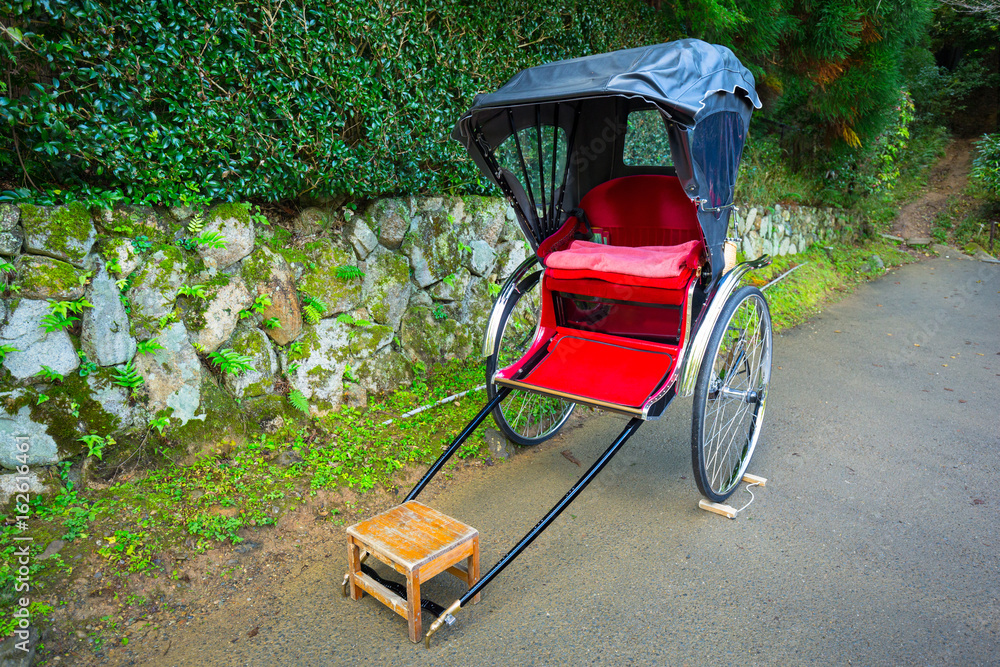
x=529, y=537
x=506, y=293
x=716, y=302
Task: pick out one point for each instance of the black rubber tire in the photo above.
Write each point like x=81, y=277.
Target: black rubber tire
x=521, y=435
x=720, y=457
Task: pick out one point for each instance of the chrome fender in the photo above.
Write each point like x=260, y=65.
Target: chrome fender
x=696, y=350
x=506, y=293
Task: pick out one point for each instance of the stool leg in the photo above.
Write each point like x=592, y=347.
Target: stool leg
x=473, y=566
x=354, y=567
x=413, y=606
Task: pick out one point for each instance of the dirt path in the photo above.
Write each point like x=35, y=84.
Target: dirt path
x=948, y=178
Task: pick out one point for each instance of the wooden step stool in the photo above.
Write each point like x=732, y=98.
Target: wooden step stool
x=418, y=542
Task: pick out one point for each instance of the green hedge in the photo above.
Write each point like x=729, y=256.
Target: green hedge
x=167, y=100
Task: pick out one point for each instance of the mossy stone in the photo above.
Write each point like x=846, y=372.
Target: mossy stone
x=320, y=279
x=47, y=278
x=220, y=419
x=62, y=232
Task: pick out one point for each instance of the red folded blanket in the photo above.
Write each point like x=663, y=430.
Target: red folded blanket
x=646, y=261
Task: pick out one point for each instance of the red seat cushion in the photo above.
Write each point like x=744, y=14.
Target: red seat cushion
x=669, y=292
x=652, y=262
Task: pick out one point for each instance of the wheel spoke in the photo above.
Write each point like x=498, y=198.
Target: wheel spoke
x=525, y=417
x=732, y=405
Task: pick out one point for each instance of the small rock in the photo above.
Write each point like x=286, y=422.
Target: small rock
x=271, y=275
x=897, y=239
x=272, y=426
x=355, y=396
x=181, y=213
x=52, y=549
x=62, y=232
x=391, y=220
x=919, y=241
x=288, y=457
x=9, y=217
x=983, y=256
x=11, y=484
x=34, y=345
x=11, y=242
x=483, y=258
x=361, y=238
x=247, y=546
x=105, y=336
x=232, y=222
x=311, y=221
x=222, y=314
x=172, y=375
x=499, y=446
x=18, y=650
x=877, y=263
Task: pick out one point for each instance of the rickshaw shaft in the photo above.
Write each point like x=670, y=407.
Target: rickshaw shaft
x=457, y=442
x=574, y=491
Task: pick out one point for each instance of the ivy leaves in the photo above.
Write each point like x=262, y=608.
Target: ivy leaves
x=230, y=100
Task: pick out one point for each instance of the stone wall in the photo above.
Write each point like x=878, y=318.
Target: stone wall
x=402, y=283
x=787, y=230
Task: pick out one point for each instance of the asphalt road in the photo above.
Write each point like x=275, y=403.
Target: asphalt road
x=875, y=542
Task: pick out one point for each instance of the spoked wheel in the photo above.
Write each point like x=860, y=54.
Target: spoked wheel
x=525, y=418
x=731, y=394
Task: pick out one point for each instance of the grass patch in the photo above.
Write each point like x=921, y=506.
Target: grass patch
x=135, y=527
x=828, y=274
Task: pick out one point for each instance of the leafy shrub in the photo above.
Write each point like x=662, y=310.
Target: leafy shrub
x=986, y=165
x=222, y=100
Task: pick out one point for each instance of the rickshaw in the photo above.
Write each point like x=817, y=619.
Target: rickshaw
x=621, y=169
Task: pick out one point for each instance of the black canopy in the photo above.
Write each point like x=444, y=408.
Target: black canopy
x=703, y=92
x=677, y=76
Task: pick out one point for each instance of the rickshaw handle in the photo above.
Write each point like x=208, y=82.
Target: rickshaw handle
x=457, y=442
x=592, y=472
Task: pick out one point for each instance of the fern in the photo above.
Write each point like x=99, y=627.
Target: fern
x=272, y=323
x=126, y=376
x=5, y=350
x=298, y=401
x=348, y=272
x=54, y=322
x=197, y=291
x=312, y=309
x=196, y=224
x=148, y=346
x=210, y=239
x=231, y=362
x=311, y=315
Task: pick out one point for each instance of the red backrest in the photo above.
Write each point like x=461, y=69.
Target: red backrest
x=641, y=211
